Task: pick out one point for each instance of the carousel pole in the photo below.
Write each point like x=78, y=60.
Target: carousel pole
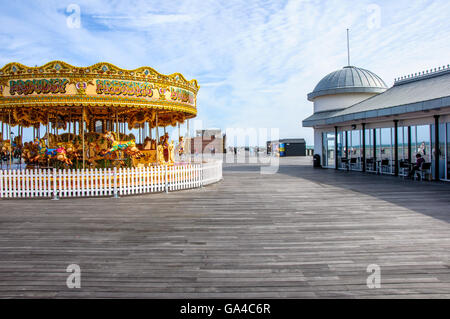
x=144, y=131
x=55, y=127
x=68, y=128
x=10, y=140
x=157, y=137
x=47, y=128
x=188, y=139
x=139, y=130
x=117, y=123
x=20, y=133
x=2, y=138
x=82, y=135
x=150, y=129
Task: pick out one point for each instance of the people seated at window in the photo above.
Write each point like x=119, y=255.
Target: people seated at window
x=417, y=166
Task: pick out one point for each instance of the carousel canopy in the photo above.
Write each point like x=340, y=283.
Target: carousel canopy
x=32, y=95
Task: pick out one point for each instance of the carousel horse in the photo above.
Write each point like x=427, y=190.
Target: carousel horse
x=30, y=153
x=5, y=147
x=129, y=147
x=59, y=153
x=72, y=152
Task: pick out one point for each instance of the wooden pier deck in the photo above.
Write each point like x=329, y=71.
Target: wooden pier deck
x=300, y=233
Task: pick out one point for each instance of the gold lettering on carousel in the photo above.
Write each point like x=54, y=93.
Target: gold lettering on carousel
x=181, y=95
x=41, y=86
x=124, y=88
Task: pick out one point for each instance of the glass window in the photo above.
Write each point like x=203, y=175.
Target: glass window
x=377, y=146
x=386, y=144
x=355, y=149
x=413, y=143
x=423, y=142
x=328, y=149
x=324, y=149
x=448, y=151
x=340, y=145
x=440, y=151
x=385, y=149
x=369, y=143
x=442, y=164
x=403, y=143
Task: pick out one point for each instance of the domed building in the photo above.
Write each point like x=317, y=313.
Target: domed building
x=345, y=87
x=361, y=124
x=337, y=91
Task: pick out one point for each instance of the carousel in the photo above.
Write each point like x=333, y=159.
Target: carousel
x=84, y=117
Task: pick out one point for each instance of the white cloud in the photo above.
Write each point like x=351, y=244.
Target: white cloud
x=143, y=21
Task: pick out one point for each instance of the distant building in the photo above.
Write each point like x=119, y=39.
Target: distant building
x=287, y=147
x=210, y=141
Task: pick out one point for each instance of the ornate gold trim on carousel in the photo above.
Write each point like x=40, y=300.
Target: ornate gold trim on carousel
x=77, y=100
x=103, y=69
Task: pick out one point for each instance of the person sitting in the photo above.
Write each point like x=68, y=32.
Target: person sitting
x=417, y=166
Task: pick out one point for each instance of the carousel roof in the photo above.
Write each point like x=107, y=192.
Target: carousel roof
x=104, y=69
x=103, y=88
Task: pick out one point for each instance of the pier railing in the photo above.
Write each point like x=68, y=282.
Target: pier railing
x=56, y=183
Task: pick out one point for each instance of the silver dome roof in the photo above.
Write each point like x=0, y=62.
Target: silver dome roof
x=349, y=79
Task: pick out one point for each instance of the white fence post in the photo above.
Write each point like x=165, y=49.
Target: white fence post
x=55, y=194
x=167, y=182
x=202, y=167
x=116, y=195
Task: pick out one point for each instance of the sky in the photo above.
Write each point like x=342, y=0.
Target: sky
x=255, y=61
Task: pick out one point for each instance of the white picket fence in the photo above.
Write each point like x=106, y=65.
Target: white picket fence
x=106, y=182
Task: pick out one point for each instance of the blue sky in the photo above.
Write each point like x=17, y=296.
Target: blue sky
x=255, y=60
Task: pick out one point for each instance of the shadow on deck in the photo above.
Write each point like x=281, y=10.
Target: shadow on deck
x=425, y=197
